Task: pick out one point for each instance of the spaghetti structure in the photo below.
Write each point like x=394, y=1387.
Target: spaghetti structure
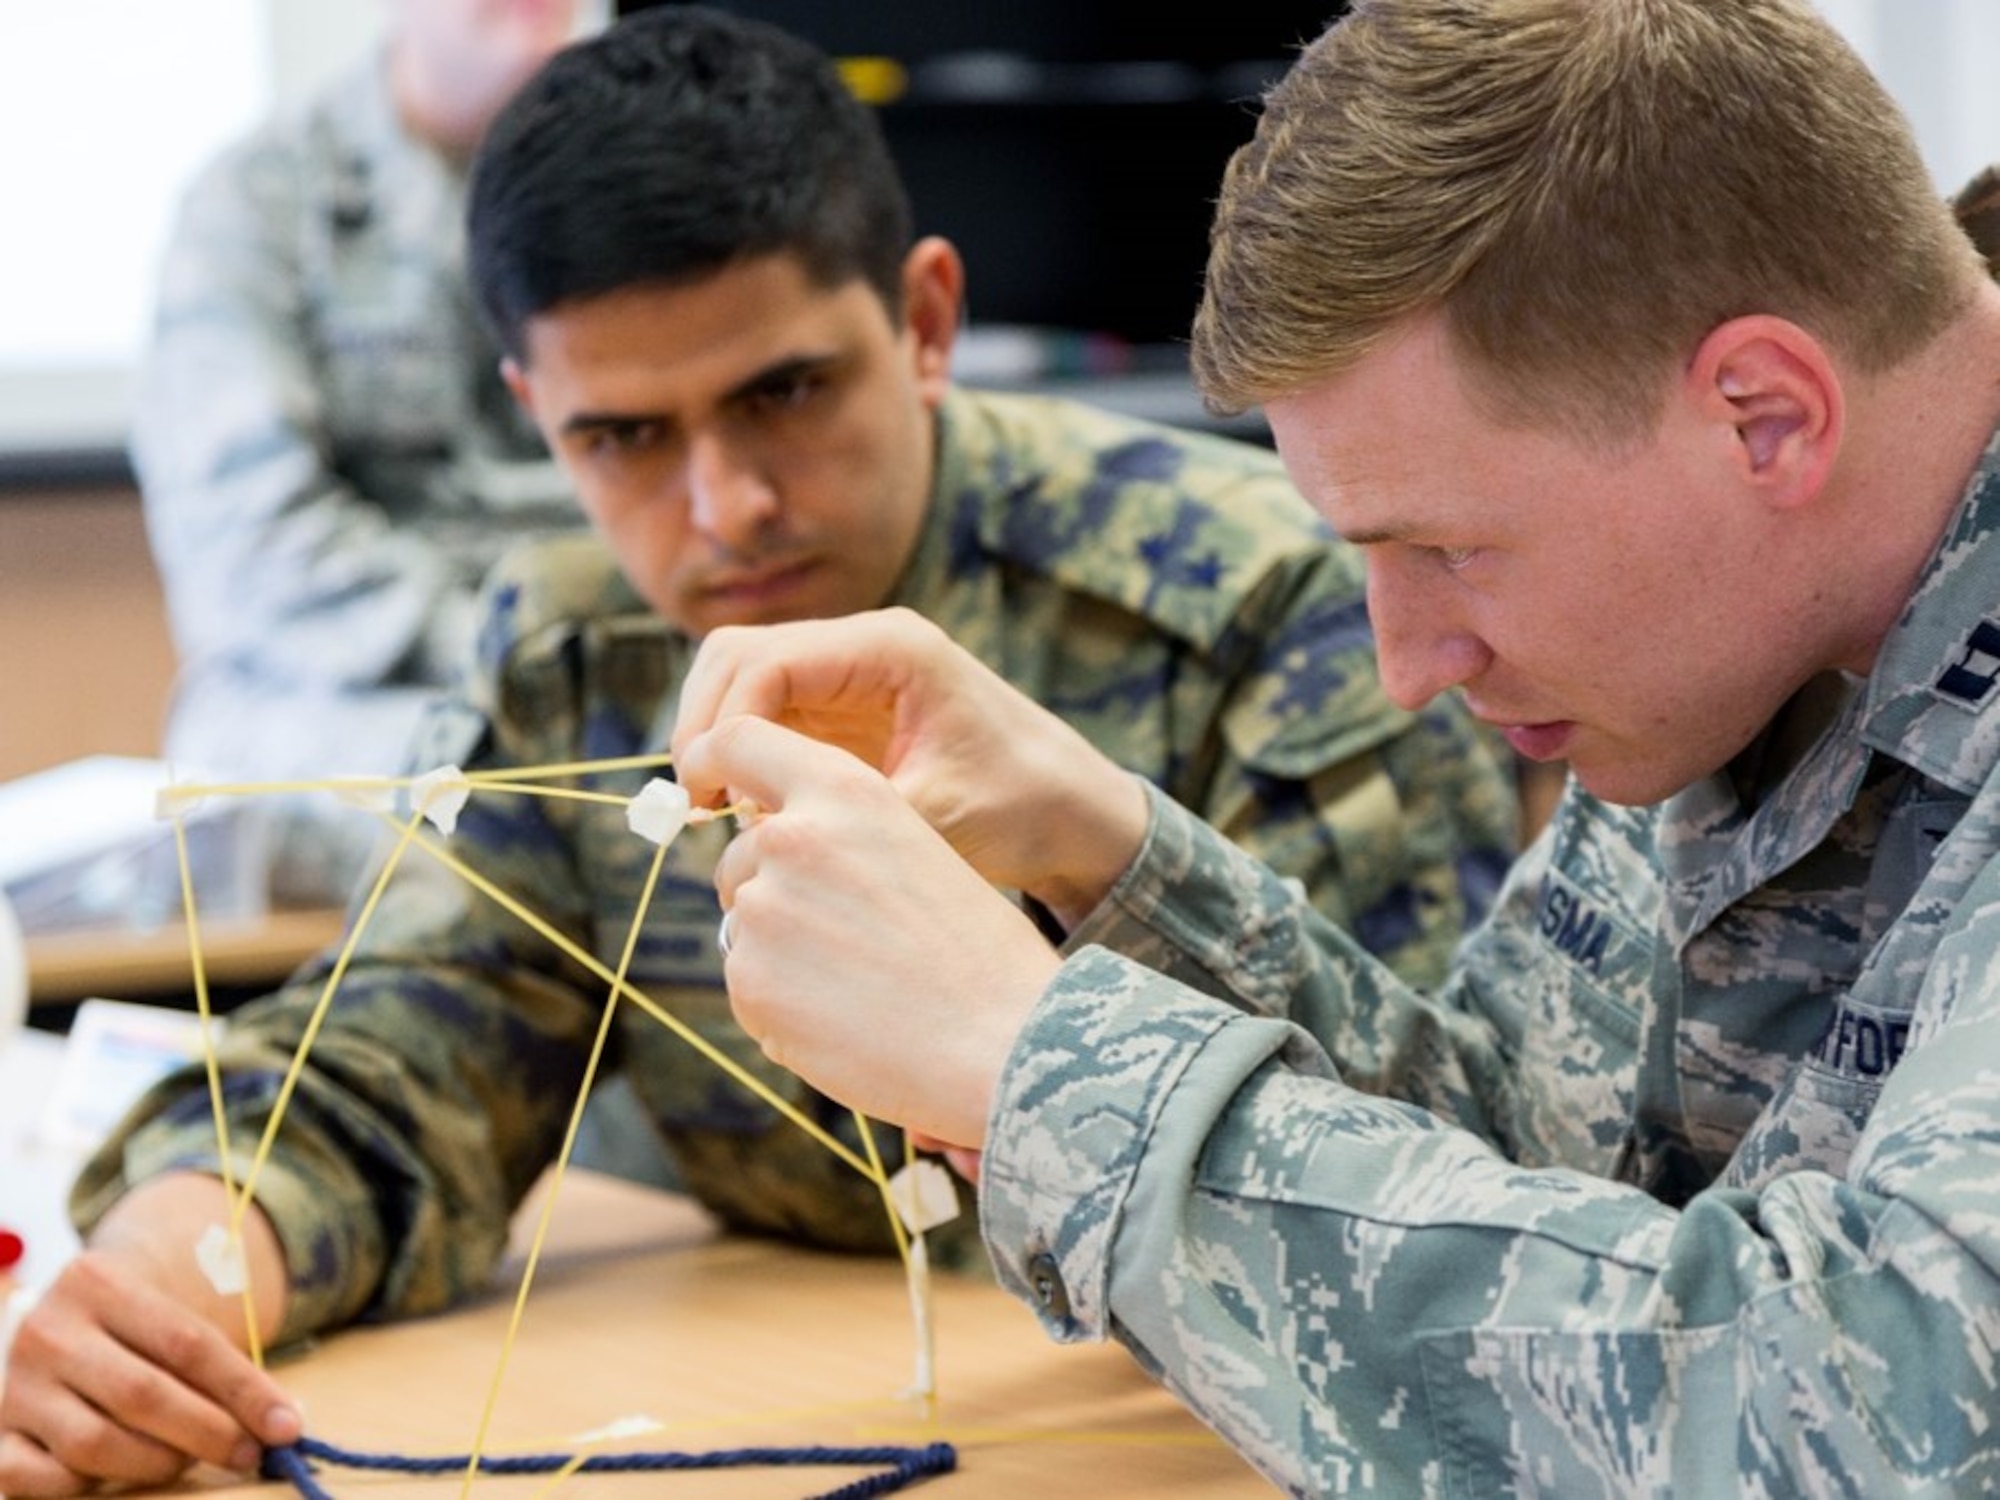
x=658, y=812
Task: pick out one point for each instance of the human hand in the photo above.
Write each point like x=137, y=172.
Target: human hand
x=959, y=1159
x=1022, y=797
x=122, y=1371
x=865, y=956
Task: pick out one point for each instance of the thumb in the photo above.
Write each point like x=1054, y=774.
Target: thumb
x=754, y=758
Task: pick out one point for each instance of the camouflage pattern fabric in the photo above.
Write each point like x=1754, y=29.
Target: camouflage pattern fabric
x=1167, y=592
x=328, y=458
x=1684, y=1185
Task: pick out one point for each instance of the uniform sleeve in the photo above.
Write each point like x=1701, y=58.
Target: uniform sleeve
x=1369, y=1294
x=284, y=585
x=436, y=1089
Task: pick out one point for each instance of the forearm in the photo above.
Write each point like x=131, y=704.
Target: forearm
x=383, y=1182
x=158, y=1227
x=1089, y=841
x=317, y=1207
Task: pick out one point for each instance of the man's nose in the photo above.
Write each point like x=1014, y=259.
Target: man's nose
x=730, y=499
x=1422, y=645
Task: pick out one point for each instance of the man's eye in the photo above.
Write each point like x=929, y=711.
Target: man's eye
x=788, y=395
x=1455, y=558
x=616, y=439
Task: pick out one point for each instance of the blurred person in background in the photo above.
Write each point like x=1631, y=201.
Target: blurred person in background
x=328, y=458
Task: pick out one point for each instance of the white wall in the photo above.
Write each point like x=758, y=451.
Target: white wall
x=308, y=41
x=106, y=106
x=1941, y=59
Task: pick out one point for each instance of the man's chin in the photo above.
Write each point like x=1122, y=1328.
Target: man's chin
x=1629, y=783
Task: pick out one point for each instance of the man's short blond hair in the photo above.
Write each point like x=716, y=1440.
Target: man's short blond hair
x=1586, y=188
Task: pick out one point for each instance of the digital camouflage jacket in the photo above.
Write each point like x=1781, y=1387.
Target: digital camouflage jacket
x=1686, y=1184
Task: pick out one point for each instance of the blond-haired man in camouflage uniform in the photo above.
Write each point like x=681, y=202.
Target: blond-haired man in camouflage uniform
x=1633, y=344
x=695, y=251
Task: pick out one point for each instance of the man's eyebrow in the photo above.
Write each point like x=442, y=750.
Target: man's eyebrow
x=1371, y=536
x=783, y=372
x=591, y=421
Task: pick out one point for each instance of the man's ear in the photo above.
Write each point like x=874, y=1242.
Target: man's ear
x=933, y=297
x=517, y=382
x=1775, y=392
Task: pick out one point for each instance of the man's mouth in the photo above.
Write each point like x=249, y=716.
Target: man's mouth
x=1544, y=741
x=759, y=585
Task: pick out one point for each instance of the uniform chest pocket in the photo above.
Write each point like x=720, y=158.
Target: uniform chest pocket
x=1582, y=974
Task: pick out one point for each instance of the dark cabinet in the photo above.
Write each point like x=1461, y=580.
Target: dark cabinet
x=1071, y=150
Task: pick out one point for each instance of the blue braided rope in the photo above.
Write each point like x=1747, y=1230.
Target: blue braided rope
x=906, y=1465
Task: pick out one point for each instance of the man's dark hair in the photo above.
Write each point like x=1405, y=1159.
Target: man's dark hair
x=676, y=142
x=1978, y=209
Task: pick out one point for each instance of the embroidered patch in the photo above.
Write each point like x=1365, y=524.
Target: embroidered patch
x=1861, y=1041
x=1574, y=926
x=1972, y=679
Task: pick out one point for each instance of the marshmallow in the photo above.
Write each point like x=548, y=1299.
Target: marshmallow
x=659, y=812
x=440, y=796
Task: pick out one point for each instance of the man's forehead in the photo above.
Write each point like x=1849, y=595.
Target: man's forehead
x=1359, y=477
x=1397, y=446
x=698, y=341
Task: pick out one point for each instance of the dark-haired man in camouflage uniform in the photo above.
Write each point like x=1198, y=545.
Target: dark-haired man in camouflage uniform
x=745, y=373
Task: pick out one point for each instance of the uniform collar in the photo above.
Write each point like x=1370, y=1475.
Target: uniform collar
x=1932, y=702
x=1934, y=696
x=949, y=510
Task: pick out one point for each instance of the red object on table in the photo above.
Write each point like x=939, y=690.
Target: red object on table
x=12, y=1248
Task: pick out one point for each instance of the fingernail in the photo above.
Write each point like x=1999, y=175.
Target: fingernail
x=284, y=1423
x=245, y=1457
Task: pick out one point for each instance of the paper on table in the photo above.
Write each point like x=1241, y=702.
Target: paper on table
x=115, y=1051
x=82, y=845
